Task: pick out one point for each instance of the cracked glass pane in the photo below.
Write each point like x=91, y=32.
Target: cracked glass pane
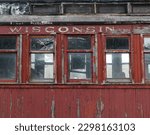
x=42, y=43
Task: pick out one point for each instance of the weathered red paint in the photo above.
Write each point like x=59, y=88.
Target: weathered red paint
x=78, y=100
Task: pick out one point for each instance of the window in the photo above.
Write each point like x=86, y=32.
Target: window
x=42, y=59
x=8, y=58
x=117, y=59
x=147, y=57
x=79, y=57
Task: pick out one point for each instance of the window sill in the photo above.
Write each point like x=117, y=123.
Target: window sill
x=118, y=81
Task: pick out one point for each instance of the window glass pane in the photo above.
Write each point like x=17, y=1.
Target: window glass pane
x=147, y=66
x=80, y=65
x=42, y=43
x=146, y=43
x=7, y=66
x=42, y=67
x=117, y=65
x=79, y=43
x=117, y=43
x=7, y=42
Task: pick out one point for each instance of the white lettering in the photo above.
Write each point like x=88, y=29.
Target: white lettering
x=49, y=29
x=36, y=29
x=90, y=29
x=15, y=29
x=100, y=29
x=109, y=29
x=26, y=29
x=63, y=29
x=75, y=29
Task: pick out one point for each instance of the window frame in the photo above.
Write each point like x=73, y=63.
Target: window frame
x=42, y=52
x=145, y=52
x=17, y=53
x=111, y=51
x=92, y=51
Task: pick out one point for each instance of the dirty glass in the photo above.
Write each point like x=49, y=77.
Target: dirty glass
x=79, y=65
x=7, y=42
x=7, y=66
x=147, y=43
x=42, y=43
x=147, y=66
x=42, y=66
x=117, y=65
x=79, y=42
x=117, y=43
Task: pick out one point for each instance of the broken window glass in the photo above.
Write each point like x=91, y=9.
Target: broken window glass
x=79, y=43
x=43, y=43
x=117, y=65
x=42, y=59
x=7, y=66
x=79, y=65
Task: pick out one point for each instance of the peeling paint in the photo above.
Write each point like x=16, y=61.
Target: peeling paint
x=14, y=9
x=11, y=104
x=126, y=115
x=100, y=108
x=53, y=108
x=78, y=108
x=140, y=110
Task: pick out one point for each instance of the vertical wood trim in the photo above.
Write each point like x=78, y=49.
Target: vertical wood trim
x=101, y=58
x=136, y=57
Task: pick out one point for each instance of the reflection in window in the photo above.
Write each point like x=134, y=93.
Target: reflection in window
x=117, y=58
x=42, y=66
x=7, y=66
x=8, y=58
x=7, y=42
x=79, y=43
x=146, y=44
x=79, y=65
x=147, y=66
x=42, y=59
x=117, y=65
x=147, y=57
x=79, y=56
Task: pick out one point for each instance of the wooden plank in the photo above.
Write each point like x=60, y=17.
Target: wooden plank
x=5, y=103
x=90, y=103
x=65, y=103
x=105, y=97
x=117, y=104
x=130, y=103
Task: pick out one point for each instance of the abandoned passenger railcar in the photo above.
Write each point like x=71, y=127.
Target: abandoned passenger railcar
x=74, y=58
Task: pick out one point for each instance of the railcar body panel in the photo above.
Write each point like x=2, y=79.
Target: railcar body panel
x=82, y=98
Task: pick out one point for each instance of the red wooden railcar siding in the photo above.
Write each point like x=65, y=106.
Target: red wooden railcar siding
x=75, y=100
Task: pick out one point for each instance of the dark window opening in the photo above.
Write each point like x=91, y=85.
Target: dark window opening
x=8, y=58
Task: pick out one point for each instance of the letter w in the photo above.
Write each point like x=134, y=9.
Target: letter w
x=15, y=29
